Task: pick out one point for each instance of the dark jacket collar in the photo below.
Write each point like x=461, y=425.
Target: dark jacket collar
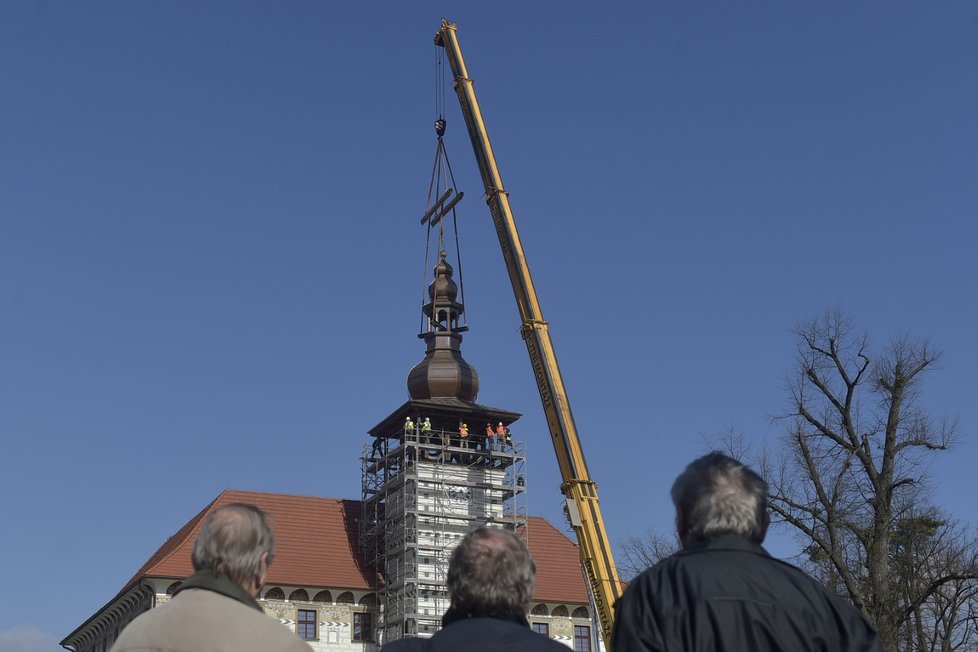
x=210, y=581
x=731, y=542
x=515, y=616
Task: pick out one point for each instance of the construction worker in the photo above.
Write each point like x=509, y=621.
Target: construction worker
x=409, y=435
x=428, y=437
x=377, y=448
x=509, y=439
x=462, y=441
x=490, y=436
x=501, y=437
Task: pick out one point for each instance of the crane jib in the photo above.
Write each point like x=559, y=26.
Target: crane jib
x=597, y=559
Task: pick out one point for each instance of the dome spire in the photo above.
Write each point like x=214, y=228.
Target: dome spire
x=443, y=372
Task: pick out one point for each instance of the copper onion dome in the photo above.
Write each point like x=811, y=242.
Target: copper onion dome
x=443, y=288
x=443, y=372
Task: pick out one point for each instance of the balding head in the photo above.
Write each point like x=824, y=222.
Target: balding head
x=236, y=541
x=491, y=574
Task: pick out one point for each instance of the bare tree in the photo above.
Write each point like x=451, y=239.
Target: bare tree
x=929, y=550
x=852, y=478
x=639, y=553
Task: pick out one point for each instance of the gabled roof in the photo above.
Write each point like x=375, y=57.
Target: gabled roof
x=315, y=541
x=316, y=546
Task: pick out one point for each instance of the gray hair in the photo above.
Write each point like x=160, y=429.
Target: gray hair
x=232, y=541
x=491, y=574
x=719, y=495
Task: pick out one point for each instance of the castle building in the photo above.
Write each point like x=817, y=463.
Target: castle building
x=350, y=575
x=319, y=585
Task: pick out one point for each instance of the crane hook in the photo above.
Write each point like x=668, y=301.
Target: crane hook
x=440, y=127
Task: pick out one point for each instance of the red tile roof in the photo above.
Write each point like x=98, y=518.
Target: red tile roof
x=316, y=546
x=315, y=541
x=559, y=574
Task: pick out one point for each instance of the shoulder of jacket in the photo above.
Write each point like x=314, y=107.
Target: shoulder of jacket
x=404, y=645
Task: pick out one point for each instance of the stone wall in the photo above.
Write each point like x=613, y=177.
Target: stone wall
x=334, y=623
x=561, y=627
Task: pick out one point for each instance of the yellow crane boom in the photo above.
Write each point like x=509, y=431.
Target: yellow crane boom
x=582, y=493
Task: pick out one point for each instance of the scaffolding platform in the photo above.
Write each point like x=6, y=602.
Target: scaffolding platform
x=422, y=491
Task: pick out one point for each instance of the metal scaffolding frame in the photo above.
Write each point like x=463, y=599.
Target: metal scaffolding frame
x=422, y=491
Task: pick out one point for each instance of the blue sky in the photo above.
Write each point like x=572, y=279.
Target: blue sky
x=210, y=258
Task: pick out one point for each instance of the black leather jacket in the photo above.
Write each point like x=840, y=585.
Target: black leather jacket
x=729, y=595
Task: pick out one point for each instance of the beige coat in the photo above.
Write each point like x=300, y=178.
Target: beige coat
x=199, y=620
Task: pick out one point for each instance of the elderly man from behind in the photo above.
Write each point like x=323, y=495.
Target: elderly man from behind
x=491, y=577
x=723, y=591
x=215, y=610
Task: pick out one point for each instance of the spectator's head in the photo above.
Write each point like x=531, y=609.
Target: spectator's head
x=236, y=541
x=718, y=495
x=491, y=575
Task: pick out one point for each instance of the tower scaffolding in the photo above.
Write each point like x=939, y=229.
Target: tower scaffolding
x=422, y=492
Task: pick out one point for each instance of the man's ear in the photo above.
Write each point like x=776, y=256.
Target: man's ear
x=262, y=569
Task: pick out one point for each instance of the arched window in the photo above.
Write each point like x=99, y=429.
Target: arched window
x=540, y=610
x=274, y=593
x=323, y=596
x=369, y=600
x=299, y=595
x=345, y=598
x=559, y=611
x=580, y=612
x=170, y=590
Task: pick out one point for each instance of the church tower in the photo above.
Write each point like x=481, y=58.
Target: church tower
x=431, y=473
